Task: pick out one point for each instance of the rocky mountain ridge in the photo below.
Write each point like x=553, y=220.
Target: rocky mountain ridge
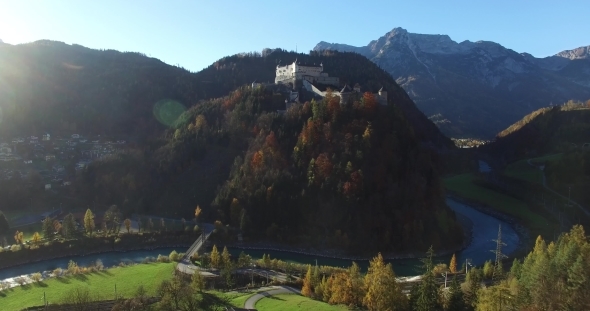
x=475, y=89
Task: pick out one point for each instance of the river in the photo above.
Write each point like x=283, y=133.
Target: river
x=485, y=230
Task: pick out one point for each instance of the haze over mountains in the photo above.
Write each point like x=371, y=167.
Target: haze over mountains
x=475, y=89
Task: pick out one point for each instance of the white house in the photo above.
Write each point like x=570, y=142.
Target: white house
x=76, y=136
x=46, y=137
x=47, y=186
x=49, y=157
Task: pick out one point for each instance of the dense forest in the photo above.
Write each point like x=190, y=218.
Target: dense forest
x=352, y=176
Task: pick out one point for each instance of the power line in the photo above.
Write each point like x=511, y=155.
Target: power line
x=497, y=273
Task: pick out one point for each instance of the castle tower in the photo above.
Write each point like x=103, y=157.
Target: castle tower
x=382, y=96
x=357, y=88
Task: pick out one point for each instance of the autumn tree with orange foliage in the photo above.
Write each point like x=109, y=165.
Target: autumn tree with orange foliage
x=307, y=289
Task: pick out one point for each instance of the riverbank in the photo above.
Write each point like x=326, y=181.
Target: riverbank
x=340, y=255
x=521, y=231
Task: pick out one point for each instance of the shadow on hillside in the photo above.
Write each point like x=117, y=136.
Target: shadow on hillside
x=63, y=280
x=81, y=277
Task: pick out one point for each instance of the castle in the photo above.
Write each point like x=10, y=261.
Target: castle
x=316, y=81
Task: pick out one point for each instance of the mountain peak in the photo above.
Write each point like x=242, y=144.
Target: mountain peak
x=582, y=52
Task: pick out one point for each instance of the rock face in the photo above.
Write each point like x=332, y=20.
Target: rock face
x=475, y=89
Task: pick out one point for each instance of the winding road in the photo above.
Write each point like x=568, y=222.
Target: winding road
x=276, y=290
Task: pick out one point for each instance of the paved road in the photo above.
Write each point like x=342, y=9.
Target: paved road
x=277, y=290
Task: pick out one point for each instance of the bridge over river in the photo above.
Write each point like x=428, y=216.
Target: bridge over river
x=185, y=265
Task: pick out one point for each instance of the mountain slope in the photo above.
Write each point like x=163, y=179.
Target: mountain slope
x=52, y=86
x=474, y=88
x=551, y=129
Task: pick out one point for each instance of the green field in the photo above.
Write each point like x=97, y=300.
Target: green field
x=524, y=171
x=463, y=186
x=101, y=284
x=290, y=302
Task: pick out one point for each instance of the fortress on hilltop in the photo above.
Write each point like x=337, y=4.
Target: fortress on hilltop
x=316, y=81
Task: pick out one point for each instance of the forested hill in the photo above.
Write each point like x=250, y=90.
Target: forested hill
x=352, y=176
x=55, y=87
x=551, y=129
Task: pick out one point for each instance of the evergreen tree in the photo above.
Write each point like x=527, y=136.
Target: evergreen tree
x=89, y=221
x=488, y=269
x=47, y=228
x=453, y=264
x=69, y=226
x=215, y=257
x=307, y=289
x=455, y=297
x=516, y=268
x=428, y=296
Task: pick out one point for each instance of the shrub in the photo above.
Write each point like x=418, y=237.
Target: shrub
x=4, y=285
x=34, y=247
x=163, y=259
x=20, y=280
x=73, y=267
x=15, y=248
x=36, y=277
x=174, y=256
x=57, y=272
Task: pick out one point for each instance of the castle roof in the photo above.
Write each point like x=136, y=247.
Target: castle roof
x=345, y=89
x=382, y=89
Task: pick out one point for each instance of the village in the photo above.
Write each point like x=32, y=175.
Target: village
x=55, y=159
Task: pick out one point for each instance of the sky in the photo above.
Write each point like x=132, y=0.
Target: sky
x=195, y=33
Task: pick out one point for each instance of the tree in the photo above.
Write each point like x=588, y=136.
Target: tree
x=69, y=226
x=47, y=228
x=57, y=226
x=428, y=296
x=455, y=301
x=89, y=222
x=112, y=218
x=197, y=281
x=382, y=291
x=4, y=227
x=127, y=223
x=453, y=264
x=198, y=212
x=225, y=257
x=488, y=269
x=18, y=237
x=215, y=258
x=150, y=225
x=307, y=289
x=36, y=238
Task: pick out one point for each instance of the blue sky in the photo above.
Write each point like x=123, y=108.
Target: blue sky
x=194, y=34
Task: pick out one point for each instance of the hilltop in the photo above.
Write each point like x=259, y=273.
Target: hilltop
x=475, y=89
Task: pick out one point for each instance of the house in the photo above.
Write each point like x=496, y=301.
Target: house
x=47, y=186
x=49, y=157
x=46, y=137
x=28, y=161
x=5, y=150
x=58, y=168
x=66, y=183
x=83, y=140
x=120, y=142
x=33, y=138
x=75, y=136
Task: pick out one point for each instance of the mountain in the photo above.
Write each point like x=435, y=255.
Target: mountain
x=475, y=89
x=55, y=87
x=546, y=130
x=361, y=176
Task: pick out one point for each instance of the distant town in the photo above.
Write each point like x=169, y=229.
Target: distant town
x=54, y=158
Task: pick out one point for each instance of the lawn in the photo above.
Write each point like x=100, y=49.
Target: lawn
x=235, y=299
x=102, y=284
x=464, y=187
x=523, y=171
x=290, y=302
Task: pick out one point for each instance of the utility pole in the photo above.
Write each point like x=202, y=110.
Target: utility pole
x=499, y=256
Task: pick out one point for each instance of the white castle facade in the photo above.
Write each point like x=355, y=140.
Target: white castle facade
x=314, y=78
x=296, y=71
